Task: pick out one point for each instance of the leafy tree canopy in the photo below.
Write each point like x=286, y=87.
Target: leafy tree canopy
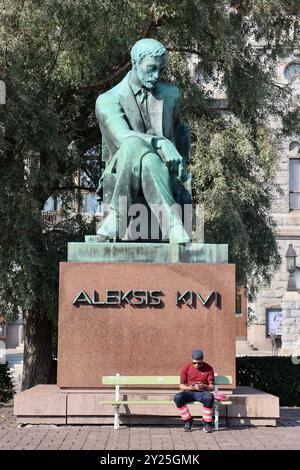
x=56, y=56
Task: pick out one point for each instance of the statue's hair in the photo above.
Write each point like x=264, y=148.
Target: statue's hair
x=145, y=47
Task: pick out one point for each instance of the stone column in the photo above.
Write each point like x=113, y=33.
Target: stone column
x=290, y=324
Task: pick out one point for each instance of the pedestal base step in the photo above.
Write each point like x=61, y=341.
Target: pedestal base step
x=48, y=404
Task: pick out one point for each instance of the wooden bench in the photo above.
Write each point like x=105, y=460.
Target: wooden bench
x=126, y=381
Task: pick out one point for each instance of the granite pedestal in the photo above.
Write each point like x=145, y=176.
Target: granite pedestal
x=138, y=318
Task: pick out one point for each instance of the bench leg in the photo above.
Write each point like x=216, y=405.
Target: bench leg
x=226, y=416
x=216, y=416
x=117, y=407
x=117, y=417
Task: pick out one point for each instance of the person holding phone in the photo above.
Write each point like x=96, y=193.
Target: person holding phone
x=196, y=384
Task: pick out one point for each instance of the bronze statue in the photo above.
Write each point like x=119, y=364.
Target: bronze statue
x=148, y=145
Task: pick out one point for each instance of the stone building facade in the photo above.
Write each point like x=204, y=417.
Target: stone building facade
x=271, y=300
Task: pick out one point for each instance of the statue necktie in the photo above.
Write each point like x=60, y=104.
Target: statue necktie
x=144, y=97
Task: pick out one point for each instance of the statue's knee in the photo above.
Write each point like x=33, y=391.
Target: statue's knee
x=134, y=145
x=150, y=161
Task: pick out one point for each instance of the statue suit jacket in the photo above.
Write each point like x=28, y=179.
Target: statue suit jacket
x=119, y=117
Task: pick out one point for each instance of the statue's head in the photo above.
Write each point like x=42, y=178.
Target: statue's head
x=148, y=58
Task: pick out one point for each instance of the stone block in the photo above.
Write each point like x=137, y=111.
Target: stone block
x=250, y=406
x=295, y=313
x=278, y=285
x=252, y=422
x=96, y=340
x=41, y=420
x=41, y=401
x=88, y=404
x=252, y=403
x=147, y=253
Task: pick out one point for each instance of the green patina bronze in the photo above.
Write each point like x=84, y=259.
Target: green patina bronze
x=147, y=253
x=144, y=143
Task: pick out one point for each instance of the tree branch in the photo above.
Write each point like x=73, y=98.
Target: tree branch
x=71, y=188
x=123, y=68
x=185, y=50
x=90, y=137
x=54, y=63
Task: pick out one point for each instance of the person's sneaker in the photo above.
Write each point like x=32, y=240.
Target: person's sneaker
x=188, y=425
x=207, y=427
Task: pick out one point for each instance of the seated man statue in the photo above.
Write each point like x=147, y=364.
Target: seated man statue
x=140, y=125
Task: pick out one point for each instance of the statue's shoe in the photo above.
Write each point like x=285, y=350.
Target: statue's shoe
x=177, y=234
x=109, y=228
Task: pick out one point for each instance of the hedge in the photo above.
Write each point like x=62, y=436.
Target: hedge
x=273, y=374
x=6, y=384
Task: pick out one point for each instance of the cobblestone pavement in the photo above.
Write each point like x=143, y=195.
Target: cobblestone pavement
x=285, y=436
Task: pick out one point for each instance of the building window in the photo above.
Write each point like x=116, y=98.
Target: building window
x=294, y=147
x=53, y=204
x=292, y=72
x=89, y=203
x=2, y=331
x=273, y=322
x=294, y=183
x=297, y=278
x=238, y=303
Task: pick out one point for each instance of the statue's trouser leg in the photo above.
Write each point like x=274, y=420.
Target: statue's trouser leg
x=157, y=190
x=128, y=183
x=156, y=181
x=139, y=167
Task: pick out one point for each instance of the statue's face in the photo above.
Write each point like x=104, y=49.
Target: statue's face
x=149, y=69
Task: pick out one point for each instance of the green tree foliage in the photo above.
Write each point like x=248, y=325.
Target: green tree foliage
x=6, y=384
x=56, y=56
x=234, y=183
x=279, y=376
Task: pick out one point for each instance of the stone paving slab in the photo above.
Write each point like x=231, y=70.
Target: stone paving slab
x=94, y=437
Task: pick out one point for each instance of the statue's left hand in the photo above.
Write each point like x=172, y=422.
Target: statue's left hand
x=183, y=175
x=170, y=155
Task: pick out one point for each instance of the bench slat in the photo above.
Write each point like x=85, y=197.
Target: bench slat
x=223, y=379
x=149, y=402
x=137, y=402
x=140, y=380
x=155, y=380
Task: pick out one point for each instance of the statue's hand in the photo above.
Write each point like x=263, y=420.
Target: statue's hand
x=170, y=155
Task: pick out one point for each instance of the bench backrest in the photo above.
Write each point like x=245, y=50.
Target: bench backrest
x=155, y=380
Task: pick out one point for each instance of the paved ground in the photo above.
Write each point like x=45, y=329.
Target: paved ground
x=285, y=436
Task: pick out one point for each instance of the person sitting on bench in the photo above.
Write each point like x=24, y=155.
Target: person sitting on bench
x=196, y=384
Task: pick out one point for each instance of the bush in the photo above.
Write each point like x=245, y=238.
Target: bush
x=276, y=375
x=6, y=384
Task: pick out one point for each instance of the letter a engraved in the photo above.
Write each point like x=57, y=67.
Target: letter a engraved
x=82, y=297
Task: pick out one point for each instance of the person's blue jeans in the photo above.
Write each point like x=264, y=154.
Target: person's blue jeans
x=187, y=396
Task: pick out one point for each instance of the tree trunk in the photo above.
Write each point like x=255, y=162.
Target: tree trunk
x=37, y=367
